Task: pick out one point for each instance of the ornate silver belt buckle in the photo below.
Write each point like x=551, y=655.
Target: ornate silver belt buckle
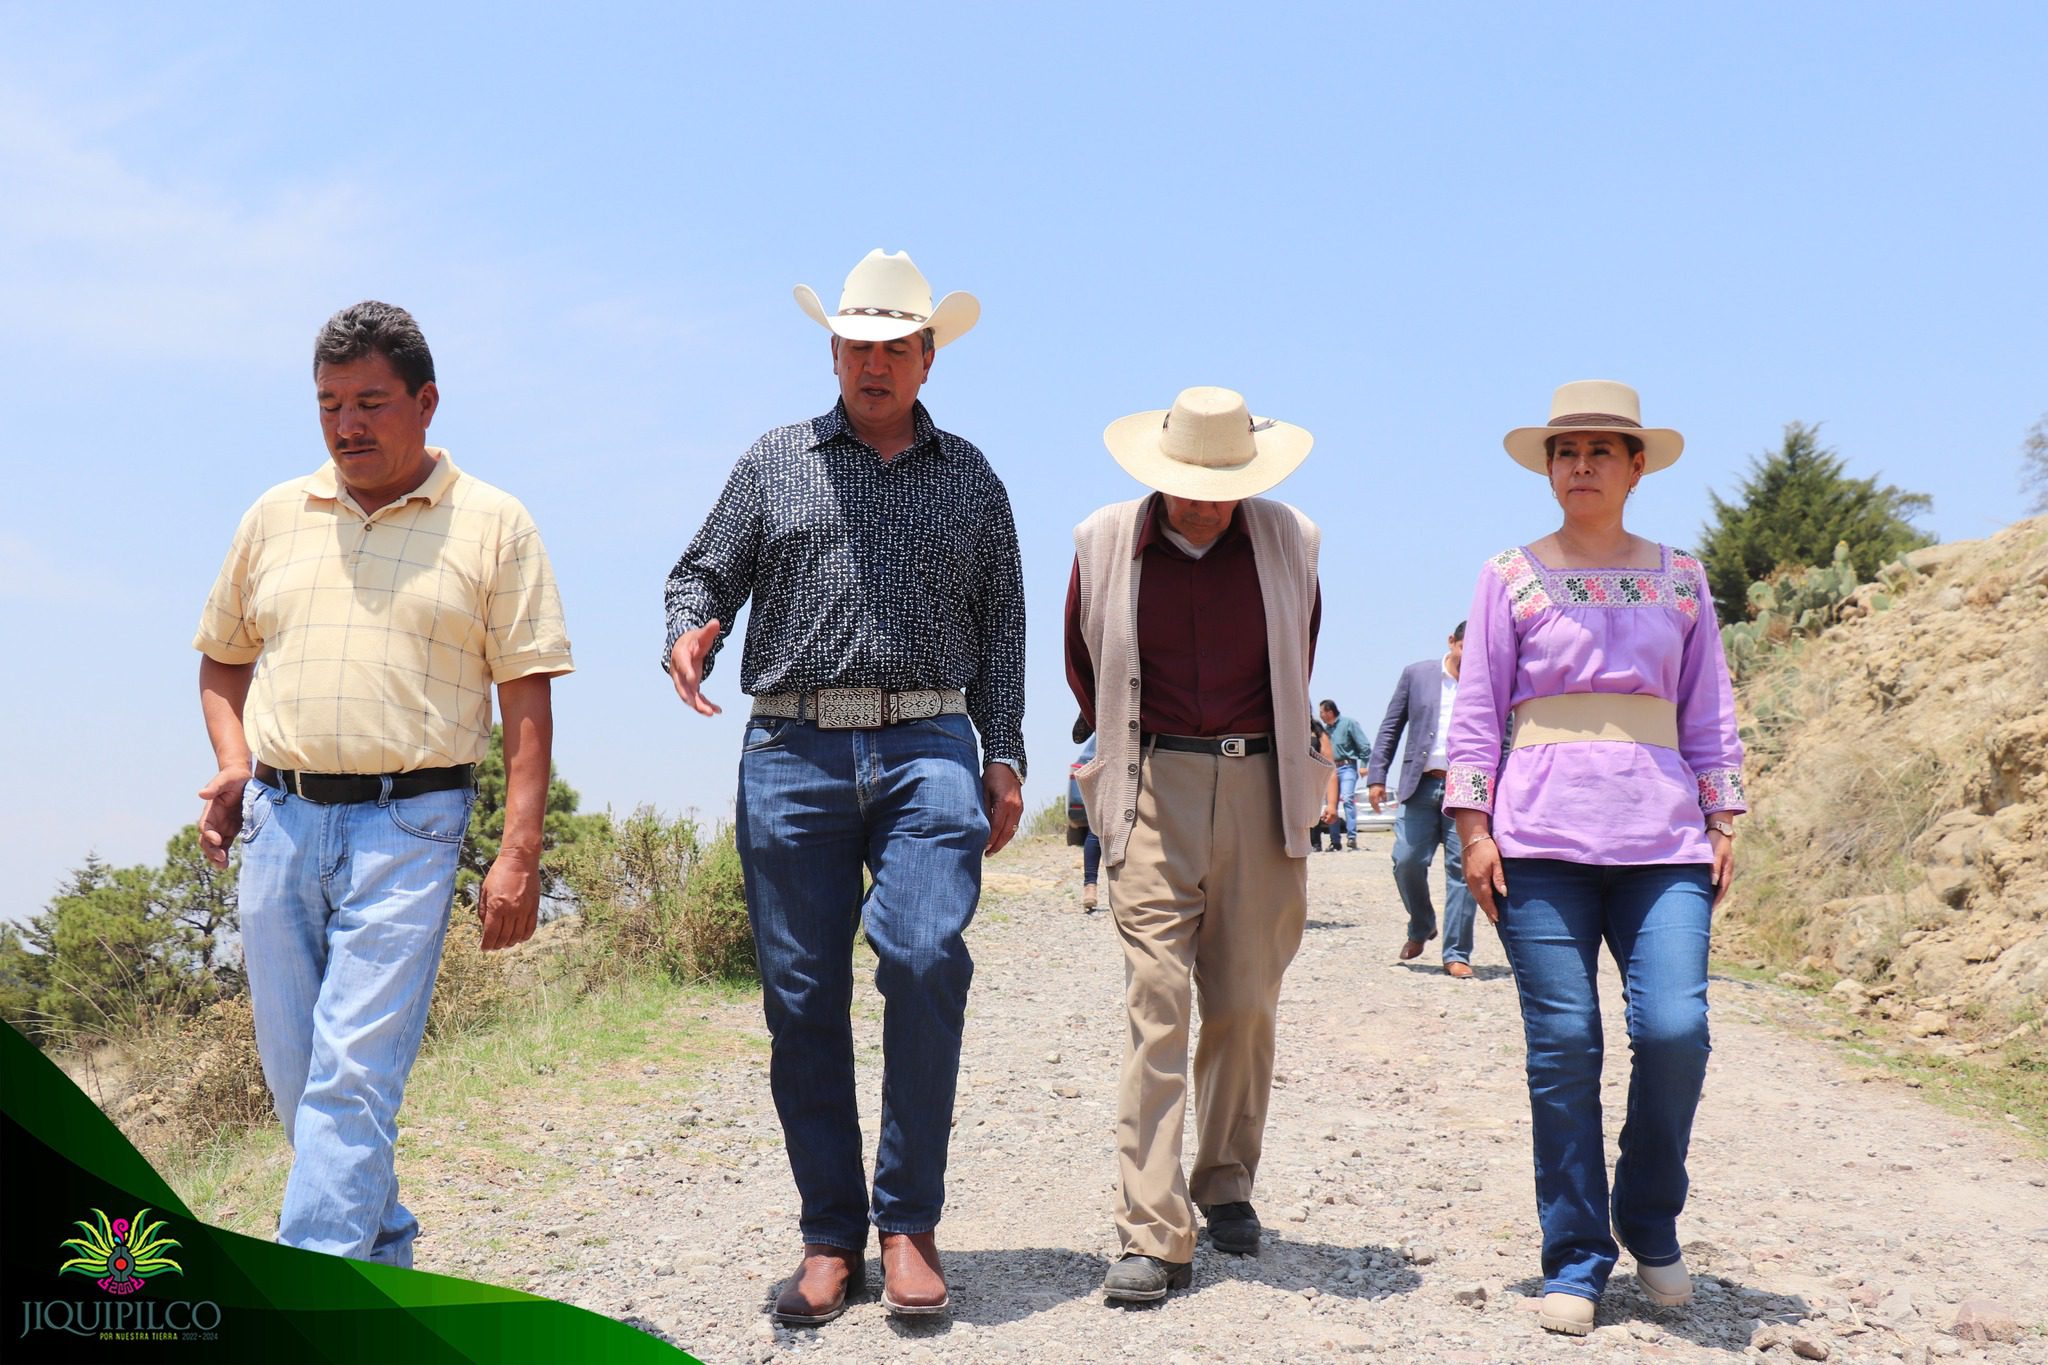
x=1232, y=748
x=851, y=708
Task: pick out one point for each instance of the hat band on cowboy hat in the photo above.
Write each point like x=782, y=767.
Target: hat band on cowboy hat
x=1594, y=405
x=1207, y=447
x=886, y=297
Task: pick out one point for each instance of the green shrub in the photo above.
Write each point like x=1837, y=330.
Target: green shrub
x=656, y=893
x=1049, y=821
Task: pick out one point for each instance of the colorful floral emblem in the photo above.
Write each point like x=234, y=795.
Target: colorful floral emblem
x=121, y=1254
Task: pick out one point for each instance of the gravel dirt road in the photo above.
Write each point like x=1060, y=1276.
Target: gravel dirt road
x=1835, y=1215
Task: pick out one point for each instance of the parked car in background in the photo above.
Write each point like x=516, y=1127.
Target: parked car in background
x=1389, y=808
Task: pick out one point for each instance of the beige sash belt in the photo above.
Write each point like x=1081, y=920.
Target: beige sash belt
x=1578, y=717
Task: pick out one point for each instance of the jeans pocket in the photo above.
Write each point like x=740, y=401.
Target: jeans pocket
x=764, y=732
x=256, y=799
x=440, y=816
x=949, y=727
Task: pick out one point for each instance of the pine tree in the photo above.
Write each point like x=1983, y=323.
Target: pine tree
x=1791, y=509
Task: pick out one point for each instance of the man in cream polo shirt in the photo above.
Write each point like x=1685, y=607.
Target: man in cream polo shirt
x=350, y=645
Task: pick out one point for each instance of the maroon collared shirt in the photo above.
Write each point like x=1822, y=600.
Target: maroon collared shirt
x=1201, y=636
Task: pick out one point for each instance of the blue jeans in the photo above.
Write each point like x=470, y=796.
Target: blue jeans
x=1654, y=920
x=1418, y=829
x=1347, y=801
x=815, y=808
x=1091, y=858
x=344, y=911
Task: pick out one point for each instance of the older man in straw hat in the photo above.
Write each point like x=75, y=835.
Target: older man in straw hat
x=888, y=610
x=1191, y=625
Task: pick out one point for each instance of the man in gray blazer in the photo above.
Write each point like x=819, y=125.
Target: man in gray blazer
x=1422, y=707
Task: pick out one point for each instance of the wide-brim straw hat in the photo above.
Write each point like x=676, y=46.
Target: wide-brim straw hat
x=1207, y=446
x=886, y=296
x=1594, y=405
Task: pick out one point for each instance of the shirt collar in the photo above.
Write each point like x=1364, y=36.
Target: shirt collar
x=1152, y=531
x=1445, y=665
x=835, y=424
x=324, y=483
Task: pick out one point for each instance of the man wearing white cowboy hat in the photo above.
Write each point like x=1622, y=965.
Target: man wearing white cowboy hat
x=1191, y=624
x=881, y=558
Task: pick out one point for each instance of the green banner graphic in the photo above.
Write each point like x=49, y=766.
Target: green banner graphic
x=103, y=1262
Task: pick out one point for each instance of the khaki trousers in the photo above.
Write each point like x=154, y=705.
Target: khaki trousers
x=1205, y=893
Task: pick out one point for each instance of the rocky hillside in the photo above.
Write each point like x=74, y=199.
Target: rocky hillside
x=1900, y=777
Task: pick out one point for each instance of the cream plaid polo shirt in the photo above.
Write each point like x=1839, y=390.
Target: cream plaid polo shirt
x=376, y=640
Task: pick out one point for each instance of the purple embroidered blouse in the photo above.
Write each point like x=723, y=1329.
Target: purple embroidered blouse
x=1541, y=632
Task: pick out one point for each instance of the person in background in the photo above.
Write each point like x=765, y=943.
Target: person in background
x=1347, y=742
x=1421, y=707
x=1609, y=822
x=1319, y=741
x=1091, y=843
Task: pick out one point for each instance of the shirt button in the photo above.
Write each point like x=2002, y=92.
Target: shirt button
x=1130, y=815
x=1133, y=768
x=1134, y=682
x=1134, y=725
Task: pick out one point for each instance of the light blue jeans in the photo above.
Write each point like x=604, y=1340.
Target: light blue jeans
x=1418, y=829
x=344, y=910
x=1655, y=920
x=1347, y=800
x=816, y=807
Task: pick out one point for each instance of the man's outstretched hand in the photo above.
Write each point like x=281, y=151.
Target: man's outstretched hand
x=686, y=666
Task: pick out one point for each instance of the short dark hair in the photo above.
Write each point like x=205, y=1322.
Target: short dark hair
x=376, y=328
x=1332, y=705
x=1459, y=633
x=930, y=340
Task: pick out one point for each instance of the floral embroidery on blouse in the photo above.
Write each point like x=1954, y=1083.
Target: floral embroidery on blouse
x=1721, y=789
x=1469, y=786
x=1526, y=595
x=1531, y=588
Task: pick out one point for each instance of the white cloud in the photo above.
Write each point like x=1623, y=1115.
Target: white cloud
x=123, y=262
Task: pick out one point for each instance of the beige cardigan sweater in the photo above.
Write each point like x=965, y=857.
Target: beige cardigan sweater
x=1285, y=545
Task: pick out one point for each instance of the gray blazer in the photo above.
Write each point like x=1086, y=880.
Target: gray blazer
x=1417, y=698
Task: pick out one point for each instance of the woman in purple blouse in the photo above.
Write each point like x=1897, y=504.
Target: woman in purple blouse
x=1595, y=772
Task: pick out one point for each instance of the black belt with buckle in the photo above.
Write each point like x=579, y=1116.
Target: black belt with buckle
x=1230, y=746
x=341, y=789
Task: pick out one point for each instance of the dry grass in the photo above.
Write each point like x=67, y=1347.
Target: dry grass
x=1861, y=793
x=657, y=894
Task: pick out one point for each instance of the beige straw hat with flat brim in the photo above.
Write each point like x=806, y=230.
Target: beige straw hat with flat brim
x=886, y=297
x=1595, y=405
x=1207, y=446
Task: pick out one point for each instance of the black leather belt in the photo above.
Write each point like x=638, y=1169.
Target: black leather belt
x=1230, y=746
x=341, y=789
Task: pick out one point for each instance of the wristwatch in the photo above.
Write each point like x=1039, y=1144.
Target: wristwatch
x=1721, y=827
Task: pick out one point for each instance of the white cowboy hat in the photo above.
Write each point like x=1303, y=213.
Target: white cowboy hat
x=1594, y=405
x=887, y=296
x=1207, y=446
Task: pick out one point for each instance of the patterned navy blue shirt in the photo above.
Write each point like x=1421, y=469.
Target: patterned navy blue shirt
x=898, y=574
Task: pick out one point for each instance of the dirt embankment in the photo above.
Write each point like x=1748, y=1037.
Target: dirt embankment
x=1900, y=776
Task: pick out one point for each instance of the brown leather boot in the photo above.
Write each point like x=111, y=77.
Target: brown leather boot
x=817, y=1292
x=912, y=1283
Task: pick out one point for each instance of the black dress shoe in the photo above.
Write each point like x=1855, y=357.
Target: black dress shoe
x=1145, y=1279
x=1233, y=1228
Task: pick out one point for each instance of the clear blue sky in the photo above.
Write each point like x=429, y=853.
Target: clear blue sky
x=1399, y=227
